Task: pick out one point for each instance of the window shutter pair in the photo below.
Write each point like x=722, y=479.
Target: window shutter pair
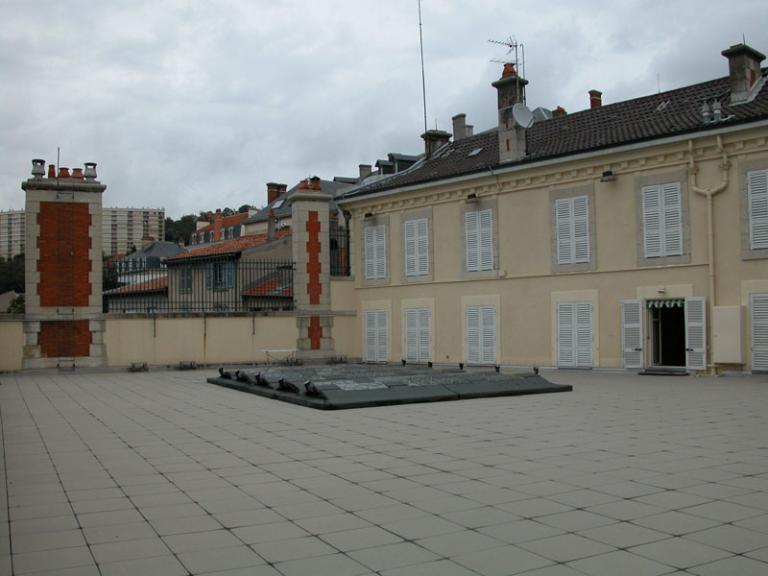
x=417, y=247
x=375, y=240
x=759, y=329
x=662, y=220
x=481, y=334
x=418, y=336
x=572, y=228
x=376, y=336
x=478, y=240
x=574, y=334
x=757, y=189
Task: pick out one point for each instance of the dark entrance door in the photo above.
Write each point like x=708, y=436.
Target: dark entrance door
x=668, y=333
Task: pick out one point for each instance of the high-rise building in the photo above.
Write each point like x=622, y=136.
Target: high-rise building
x=11, y=233
x=124, y=228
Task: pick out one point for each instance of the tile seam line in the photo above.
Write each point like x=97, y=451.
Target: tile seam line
x=53, y=462
x=7, y=494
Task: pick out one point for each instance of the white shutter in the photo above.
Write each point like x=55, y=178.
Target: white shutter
x=695, y=334
x=757, y=184
x=652, y=221
x=473, y=334
x=471, y=240
x=486, y=239
x=422, y=246
x=412, y=335
x=371, y=335
x=380, y=244
x=759, y=328
x=632, y=333
x=583, y=333
x=563, y=218
x=673, y=219
x=565, y=343
x=425, y=335
x=410, y=248
x=581, y=229
x=382, y=348
x=370, y=267
x=488, y=335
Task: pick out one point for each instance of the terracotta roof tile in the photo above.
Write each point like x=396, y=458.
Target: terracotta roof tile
x=159, y=284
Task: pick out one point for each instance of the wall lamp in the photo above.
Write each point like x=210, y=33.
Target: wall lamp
x=608, y=176
x=472, y=198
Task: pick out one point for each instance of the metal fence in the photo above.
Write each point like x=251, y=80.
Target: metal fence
x=199, y=286
x=339, y=243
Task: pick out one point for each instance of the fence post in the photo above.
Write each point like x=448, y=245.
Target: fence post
x=312, y=276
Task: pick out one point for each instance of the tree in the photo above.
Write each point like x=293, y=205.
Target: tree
x=12, y=274
x=180, y=230
x=243, y=208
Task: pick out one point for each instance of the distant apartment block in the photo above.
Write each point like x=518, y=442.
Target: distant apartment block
x=11, y=233
x=127, y=227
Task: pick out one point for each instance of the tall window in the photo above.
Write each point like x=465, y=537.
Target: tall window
x=572, y=229
x=481, y=334
x=417, y=247
x=478, y=240
x=185, y=280
x=662, y=220
x=376, y=336
x=757, y=190
x=219, y=275
x=375, y=244
x=418, y=334
x=574, y=334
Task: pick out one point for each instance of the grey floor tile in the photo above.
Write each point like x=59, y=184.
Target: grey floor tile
x=623, y=535
x=679, y=553
x=331, y=565
x=292, y=549
x=736, y=565
x=129, y=550
x=201, y=541
x=118, y=532
x=155, y=566
x=437, y=568
x=421, y=527
x=619, y=562
x=52, y=560
x=676, y=523
x=259, y=533
x=393, y=556
x=731, y=538
x=32, y=542
x=520, y=531
x=566, y=547
x=458, y=543
x=502, y=561
x=358, y=538
x=218, y=559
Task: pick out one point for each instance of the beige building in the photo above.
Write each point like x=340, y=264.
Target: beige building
x=632, y=234
x=11, y=233
x=127, y=227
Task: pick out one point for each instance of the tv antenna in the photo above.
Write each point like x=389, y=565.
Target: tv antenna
x=518, y=48
x=423, y=81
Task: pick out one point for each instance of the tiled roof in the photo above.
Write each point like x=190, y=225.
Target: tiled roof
x=235, y=246
x=225, y=222
x=657, y=116
x=275, y=286
x=159, y=284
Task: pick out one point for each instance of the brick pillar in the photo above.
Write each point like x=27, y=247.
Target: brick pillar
x=63, y=322
x=312, y=278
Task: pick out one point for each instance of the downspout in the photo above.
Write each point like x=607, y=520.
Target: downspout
x=709, y=194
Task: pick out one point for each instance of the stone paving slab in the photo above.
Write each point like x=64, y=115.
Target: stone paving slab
x=160, y=473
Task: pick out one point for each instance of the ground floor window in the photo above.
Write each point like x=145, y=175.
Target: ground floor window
x=481, y=334
x=574, y=334
x=418, y=334
x=376, y=336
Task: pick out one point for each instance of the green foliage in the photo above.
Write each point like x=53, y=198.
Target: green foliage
x=12, y=274
x=243, y=208
x=180, y=230
x=109, y=277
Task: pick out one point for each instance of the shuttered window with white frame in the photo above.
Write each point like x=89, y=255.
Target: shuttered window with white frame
x=375, y=247
x=757, y=191
x=481, y=334
x=376, y=336
x=574, y=334
x=758, y=316
x=662, y=220
x=695, y=333
x=416, y=247
x=478, y=240
x=572, y=229
x=418, y=334
x=632, y=333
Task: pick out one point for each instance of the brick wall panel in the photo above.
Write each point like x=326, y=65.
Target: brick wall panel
x=67, y=338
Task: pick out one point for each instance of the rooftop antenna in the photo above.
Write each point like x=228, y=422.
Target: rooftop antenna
x=423, y=81
x=519, y=49
x=58, y=157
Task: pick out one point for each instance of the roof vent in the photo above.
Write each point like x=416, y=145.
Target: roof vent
x=475, y=152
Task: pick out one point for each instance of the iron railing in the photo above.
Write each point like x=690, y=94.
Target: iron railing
x=208, y=285
x=339, y=244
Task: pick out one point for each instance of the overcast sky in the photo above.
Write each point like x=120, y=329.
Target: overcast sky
x=193, y=105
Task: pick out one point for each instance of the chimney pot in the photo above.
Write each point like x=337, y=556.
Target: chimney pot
x=51, y=171
x=469, y=130
x=595, y=98
x=509, y=70
x=77, y=173
x=38, y=167
x=90, y=171
x=434, y=139
x=558, y=112
x=304, y=185
x=314, y=183
x=459, y=127
x=63, y=172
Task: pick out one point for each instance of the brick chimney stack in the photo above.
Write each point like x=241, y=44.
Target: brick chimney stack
x=434, y=139
x=274, y=191
x=510, y=90
x=365, y=171
x=595, y=98
x=459, y=127
x=744, y=71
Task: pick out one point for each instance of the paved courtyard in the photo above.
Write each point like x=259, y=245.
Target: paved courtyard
x=162, y=474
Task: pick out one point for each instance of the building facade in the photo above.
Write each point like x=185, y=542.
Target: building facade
x=127, y=228
x=12, y=235
x=629, y=235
